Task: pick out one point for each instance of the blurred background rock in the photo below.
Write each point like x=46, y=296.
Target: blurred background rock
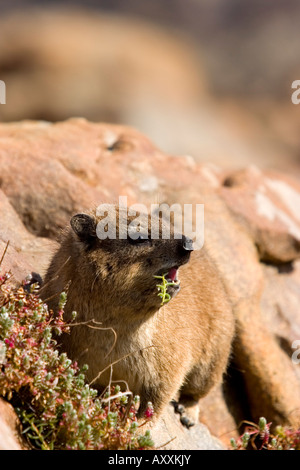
x=209, y=78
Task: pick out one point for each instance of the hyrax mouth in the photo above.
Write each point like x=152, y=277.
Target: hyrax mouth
x=170, y=275
x=169, y=284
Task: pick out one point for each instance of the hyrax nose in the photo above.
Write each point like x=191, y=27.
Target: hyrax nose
x=187, y=243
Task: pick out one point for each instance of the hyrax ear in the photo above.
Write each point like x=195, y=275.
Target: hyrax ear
x=84, y=226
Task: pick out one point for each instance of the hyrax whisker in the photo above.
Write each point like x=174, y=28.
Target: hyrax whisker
x=55, y=277
x=115, y=362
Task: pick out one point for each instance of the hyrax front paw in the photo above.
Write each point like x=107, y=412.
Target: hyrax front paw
x=188, y=412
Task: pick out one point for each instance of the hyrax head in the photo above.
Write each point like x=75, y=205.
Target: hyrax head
x=129, y=254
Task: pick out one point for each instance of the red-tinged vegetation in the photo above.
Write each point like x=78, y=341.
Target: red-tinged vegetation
x=259, y=437
x=57, y=408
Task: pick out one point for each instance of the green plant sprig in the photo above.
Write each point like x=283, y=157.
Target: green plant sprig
x=57, y=409
x=162, y=288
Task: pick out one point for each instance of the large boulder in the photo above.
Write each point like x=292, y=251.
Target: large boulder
x=22, y=252
x=49, y=171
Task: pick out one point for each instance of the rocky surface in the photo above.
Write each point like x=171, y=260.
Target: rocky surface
x=252, y=231
x=169, y=434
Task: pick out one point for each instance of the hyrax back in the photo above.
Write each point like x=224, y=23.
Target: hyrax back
x=158, y=351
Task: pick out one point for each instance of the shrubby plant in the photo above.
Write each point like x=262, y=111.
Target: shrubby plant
x=259, y=437
x=56, y=407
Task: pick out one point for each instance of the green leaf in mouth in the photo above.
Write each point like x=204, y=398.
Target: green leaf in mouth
x=162, y=288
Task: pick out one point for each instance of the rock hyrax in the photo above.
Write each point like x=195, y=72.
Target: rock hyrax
x=159, y=351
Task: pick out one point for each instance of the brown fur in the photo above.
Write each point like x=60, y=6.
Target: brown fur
x=183, y=345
